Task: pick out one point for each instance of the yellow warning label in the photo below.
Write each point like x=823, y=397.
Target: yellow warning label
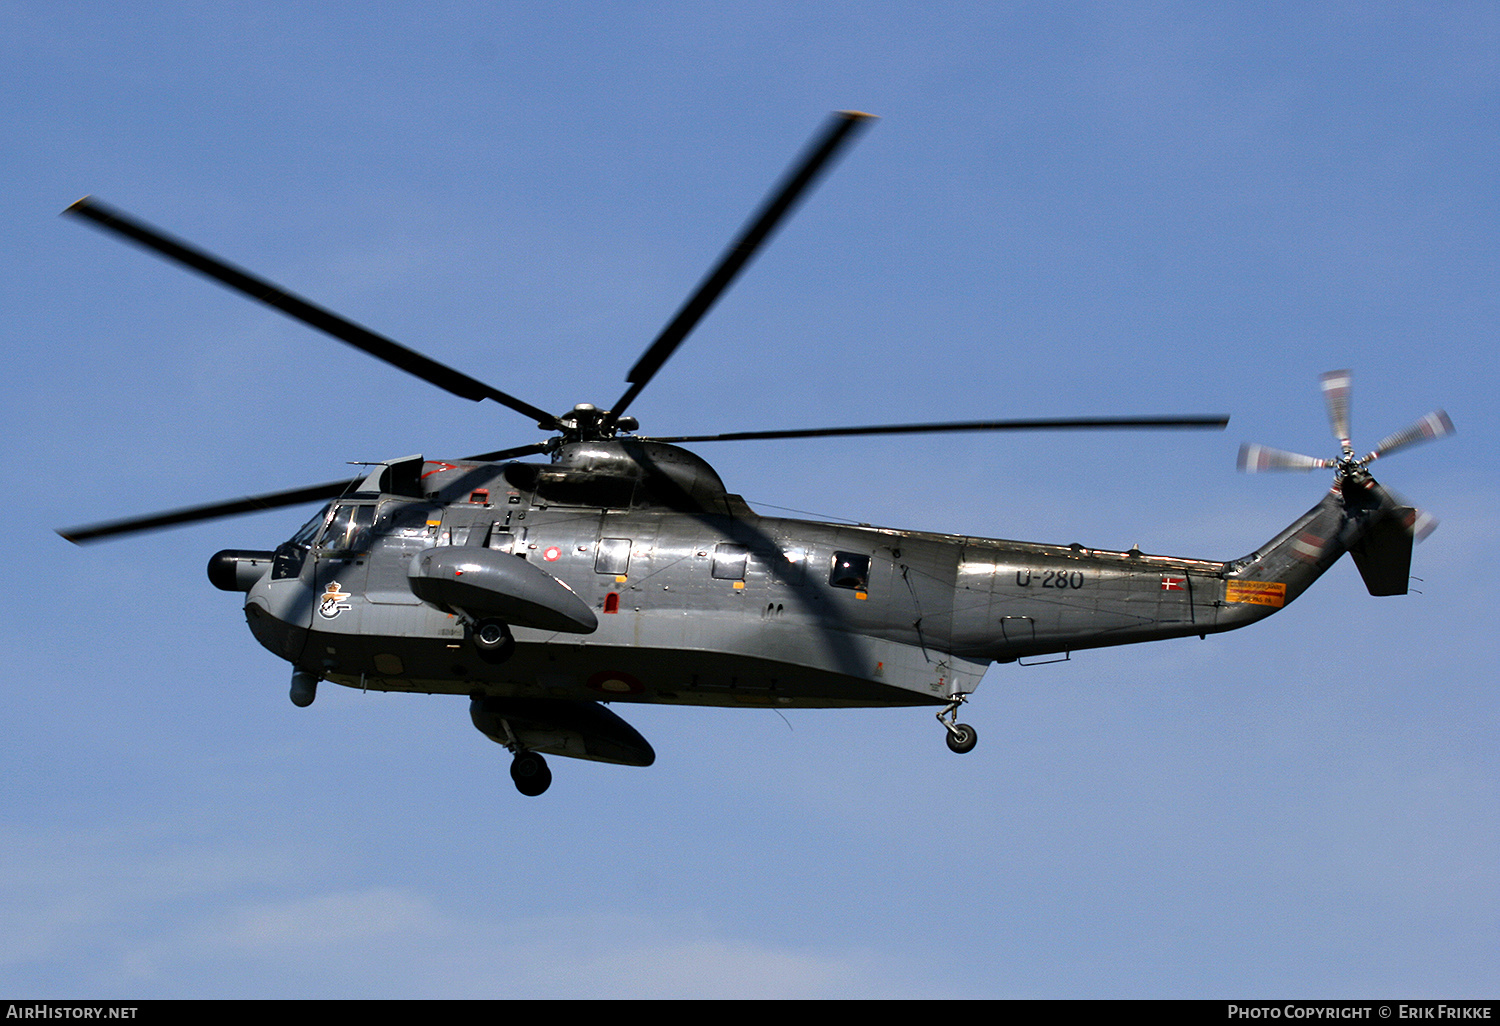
x=1260, y=593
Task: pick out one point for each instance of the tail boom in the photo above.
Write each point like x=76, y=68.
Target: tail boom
x=1048, y=599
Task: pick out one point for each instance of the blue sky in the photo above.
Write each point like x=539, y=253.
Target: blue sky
x=1066, y=209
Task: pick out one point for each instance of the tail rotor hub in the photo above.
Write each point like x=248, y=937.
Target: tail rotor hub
x=1350, y=470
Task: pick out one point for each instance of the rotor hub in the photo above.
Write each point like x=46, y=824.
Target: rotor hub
x=587, y=423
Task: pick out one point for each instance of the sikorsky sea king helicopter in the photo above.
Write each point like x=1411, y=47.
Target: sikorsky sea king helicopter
x=624, y=571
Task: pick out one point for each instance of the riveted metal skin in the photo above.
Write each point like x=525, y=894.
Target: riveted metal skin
x=921, y=621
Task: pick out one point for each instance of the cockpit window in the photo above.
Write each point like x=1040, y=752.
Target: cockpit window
x=349, y=530
x=308, y=531
x=290, y=555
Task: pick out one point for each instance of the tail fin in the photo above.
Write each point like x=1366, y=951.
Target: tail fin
x=1356, y=516
x=1383, y=550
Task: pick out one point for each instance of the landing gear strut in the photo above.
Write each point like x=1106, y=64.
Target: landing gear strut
x=529, y=771
x=961, y=737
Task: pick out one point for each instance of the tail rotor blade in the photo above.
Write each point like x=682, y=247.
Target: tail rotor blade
x=1423, y=523
x=1336, y=386
x=1436, y=424
x=1258, y=459
x=1417, y=521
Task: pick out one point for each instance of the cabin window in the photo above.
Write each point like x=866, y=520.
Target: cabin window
x=613, y=556
x=730, y=561
x=850, y=570
x=787, y=567
x=399, y=519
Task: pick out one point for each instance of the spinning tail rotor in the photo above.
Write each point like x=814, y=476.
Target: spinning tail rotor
x=1256, y=459
x=1386, y=523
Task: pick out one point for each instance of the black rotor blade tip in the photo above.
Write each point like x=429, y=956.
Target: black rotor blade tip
x=763, y=223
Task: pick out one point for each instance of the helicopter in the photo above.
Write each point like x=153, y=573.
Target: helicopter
x=623, y=570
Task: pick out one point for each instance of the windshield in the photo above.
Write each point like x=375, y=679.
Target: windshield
x=349, y=528
x=308, y=531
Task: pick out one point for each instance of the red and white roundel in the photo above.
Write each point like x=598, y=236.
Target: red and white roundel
x=550, y=553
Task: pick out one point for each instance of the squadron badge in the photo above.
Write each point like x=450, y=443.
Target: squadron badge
x=332, y=602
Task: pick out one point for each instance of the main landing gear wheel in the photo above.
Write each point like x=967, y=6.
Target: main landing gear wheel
x=529, y=771
x=962, y=738
x=493, y=640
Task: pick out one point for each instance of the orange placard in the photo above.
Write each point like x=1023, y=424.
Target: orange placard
x=1260, y=593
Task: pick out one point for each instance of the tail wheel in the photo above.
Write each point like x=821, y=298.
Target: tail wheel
x=962, y=738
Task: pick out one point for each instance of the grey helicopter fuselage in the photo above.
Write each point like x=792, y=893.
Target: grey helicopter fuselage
x=623, y=570
x=658, y=585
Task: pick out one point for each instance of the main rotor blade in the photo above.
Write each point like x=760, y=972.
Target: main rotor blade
x=1047, y=424
x=505, y=454
x=1336, y=387
x=1435, y=425
x=1256, y=459
x=378, y=346
x=251, y=503
x=210, y=511
x=839, y=130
